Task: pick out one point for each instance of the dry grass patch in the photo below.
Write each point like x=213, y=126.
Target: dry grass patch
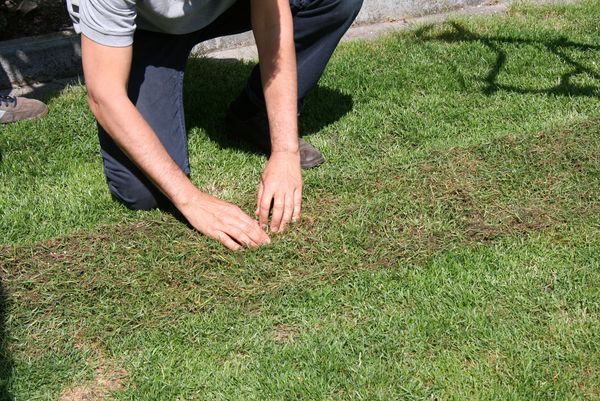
x=105, y=382
x=108, y=378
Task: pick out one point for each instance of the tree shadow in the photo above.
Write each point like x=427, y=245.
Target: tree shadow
x=211, y=84
x=559, y=47
x=5, y=358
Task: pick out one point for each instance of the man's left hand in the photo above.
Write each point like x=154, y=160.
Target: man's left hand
x=280, y=189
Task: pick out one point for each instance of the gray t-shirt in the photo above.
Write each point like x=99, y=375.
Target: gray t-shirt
x=113, y=22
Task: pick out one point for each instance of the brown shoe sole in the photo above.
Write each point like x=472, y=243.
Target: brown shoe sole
x=43, y=114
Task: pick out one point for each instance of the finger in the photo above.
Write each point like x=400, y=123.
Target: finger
x=297, y=204
x=227, y=241
x=288, y=210
x=277, y=212
x=259, y=197
x=241, y=237
x=239, y=226
x=238, y=221
x=256, y=234
x=265, y=208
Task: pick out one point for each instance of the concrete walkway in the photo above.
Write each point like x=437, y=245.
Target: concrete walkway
x=49, y=63
x=371, y=29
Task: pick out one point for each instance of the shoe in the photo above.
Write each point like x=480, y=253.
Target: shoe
x=309, y=155
x=256, y=131
x=13, y=108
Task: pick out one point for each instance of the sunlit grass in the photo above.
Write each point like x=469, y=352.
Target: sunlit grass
x=449, y=248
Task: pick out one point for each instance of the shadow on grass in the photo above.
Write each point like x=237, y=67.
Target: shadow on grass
x=5, y=359
x=559, y=47
x=210, y=85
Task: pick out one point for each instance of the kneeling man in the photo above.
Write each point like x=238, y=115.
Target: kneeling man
x=134, y=54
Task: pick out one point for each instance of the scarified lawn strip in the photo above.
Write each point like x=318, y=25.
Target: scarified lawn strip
x=149, y=273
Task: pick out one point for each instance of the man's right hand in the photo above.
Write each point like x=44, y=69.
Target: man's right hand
x=223, y=221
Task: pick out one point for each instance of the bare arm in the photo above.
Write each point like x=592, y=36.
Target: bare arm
x=106, y=72
x=281, y=182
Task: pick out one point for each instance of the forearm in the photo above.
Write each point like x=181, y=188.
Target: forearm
x=135, y=137
x=273, y=30
x=106, y=72
x=281, y=182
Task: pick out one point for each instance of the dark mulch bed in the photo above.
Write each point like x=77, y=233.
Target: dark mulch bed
x=50, y=16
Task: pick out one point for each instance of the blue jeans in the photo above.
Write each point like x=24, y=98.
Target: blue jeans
x=156, y=81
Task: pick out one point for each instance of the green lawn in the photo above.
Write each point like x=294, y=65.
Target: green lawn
x=449, y=248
